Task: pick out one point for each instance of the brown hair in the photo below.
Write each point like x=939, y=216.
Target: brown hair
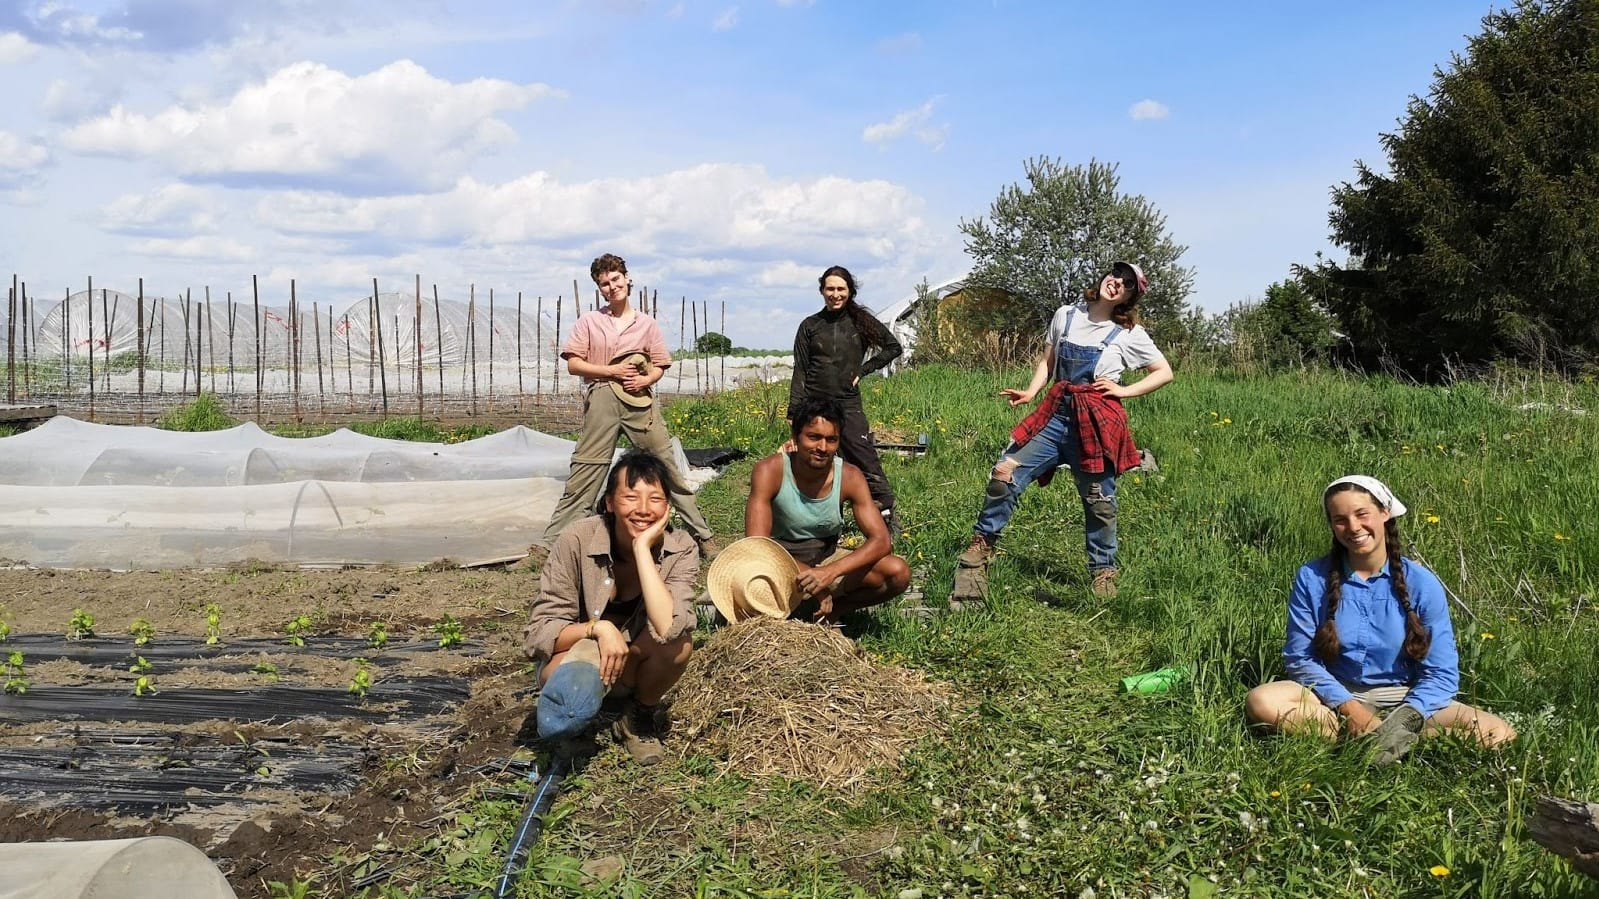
x=1418, y=638
x=1125, y=313
x=606, y=264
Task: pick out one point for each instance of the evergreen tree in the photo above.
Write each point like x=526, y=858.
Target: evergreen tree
x=1044, y=243
x=1482, y=238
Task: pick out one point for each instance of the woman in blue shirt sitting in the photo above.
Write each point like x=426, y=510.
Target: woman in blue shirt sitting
x=1370, y=649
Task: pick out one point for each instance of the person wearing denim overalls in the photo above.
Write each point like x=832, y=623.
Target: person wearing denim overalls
x=1088, y=347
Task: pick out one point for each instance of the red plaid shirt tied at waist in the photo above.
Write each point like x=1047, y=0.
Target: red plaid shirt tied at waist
x=1102, y=432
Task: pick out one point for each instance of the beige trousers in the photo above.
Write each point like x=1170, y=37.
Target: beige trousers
x=605, y=417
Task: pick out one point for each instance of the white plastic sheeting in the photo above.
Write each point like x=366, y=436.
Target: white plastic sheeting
x=67, y=452
x=304, y=522
x=81, y=495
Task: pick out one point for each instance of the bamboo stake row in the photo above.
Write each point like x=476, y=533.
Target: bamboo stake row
x=28, y=375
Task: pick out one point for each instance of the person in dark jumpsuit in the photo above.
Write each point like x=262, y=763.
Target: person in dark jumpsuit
x=830, y=358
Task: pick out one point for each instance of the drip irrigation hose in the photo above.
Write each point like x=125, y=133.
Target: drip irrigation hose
x=527, y=830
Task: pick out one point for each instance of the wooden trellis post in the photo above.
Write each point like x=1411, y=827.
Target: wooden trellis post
x=377, y=311
x=141, y=350
x=416, y=326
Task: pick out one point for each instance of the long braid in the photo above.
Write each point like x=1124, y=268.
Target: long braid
x=1325, y=643
x=1418, y=638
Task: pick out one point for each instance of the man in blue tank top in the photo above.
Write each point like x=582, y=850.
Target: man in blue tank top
x=797, y=498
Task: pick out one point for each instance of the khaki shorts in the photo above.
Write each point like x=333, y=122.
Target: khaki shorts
x=1379, y=698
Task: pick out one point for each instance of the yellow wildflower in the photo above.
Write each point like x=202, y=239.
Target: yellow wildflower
x=1432, y=519
x=1438, y=871
x=1560, y=536
x=1487, y=635
x=1276, y=793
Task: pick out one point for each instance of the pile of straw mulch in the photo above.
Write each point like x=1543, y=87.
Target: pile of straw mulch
x=800, y=700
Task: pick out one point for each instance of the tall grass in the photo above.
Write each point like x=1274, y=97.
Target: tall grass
x=1059, y=783
x=1053, y=783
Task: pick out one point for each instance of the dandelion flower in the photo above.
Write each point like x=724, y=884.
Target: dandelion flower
x=1560, y=536
x=1432, y=519
x=1438, y=871
x=1276, y=793
x=1487, y=635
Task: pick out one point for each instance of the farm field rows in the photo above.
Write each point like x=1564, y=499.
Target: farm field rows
x=1048, y=781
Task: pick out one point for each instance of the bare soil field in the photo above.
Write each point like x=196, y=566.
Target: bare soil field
x=268, y=755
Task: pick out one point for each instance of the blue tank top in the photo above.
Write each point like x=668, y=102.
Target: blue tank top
x=796, y=516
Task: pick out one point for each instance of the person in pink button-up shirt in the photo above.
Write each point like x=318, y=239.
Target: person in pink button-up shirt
x=618, y=399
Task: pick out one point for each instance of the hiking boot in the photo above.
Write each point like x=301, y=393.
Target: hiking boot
x=534, y=560
x=1104, y=585
x=709, y=548
x=639, y=734
x=977, y=553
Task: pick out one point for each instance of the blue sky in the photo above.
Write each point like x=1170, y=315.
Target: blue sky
x=729, y=150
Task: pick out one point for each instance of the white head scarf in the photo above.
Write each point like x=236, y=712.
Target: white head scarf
x=1376, y=488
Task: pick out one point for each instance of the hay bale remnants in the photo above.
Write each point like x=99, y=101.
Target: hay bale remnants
x=799, y=700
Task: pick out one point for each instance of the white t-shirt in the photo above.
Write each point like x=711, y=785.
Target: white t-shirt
x=1131, y=349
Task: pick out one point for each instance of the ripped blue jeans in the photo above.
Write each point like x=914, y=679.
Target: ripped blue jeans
x=1056, y=445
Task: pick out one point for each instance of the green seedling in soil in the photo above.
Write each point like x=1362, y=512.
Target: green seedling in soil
x=80, y=626
x=268, y=669
x=142, y=630
x=5, y=630
x=377, y=636
x=16, y=681
x=362, y=681
x=449, y=630
x=213, y=625
x=294, y=889
x=144, y=686
x=141, y=665
x=297, y=629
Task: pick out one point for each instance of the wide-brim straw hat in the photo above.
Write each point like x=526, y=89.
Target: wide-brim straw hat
x=752, y=577
x=642, y=360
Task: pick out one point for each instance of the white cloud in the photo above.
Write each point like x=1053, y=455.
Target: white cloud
x=675, y=12
x=175, y=209
x=725, y=21
x=785, y=274
x=14, y=48
x=396, y=127
x=712, y=211
x=204, y=248
x=1148, y=109
x=900, y=44
x=20, y=159
x=911, y=121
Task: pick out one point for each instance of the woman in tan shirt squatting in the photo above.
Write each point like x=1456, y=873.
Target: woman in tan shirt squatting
x=625, y=579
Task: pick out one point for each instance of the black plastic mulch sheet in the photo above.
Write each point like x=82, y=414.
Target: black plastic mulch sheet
x=142, y=771
x=389, y=699
x=713, y=457
x=113, y=651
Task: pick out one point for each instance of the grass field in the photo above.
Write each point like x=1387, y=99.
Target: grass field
x=1056, y=784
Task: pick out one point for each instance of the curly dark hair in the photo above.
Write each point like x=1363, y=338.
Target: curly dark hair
x=610, y=262
x=813, y=407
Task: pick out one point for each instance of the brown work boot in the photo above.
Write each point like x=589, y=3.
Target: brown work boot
x=639, y=733
x=977, y=553
x=709, y=548
x=534, y=560
x=1104, y=585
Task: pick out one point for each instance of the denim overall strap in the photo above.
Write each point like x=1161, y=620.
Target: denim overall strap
x=1075, y=364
